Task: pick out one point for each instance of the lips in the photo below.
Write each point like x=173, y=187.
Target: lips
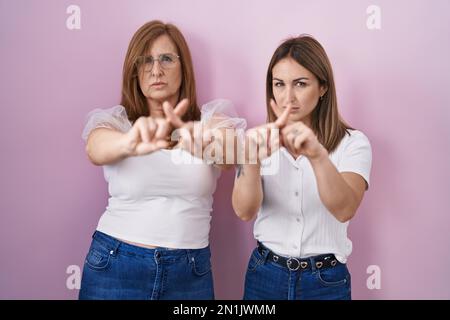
x=294, y=109
x=158, y=84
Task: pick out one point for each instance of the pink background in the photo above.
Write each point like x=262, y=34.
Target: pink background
x=392, y=84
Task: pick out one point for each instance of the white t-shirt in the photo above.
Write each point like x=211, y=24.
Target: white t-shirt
x=155, y=200
x=292, y=220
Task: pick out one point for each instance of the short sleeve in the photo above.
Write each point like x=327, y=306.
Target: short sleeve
x=220, y=113
x=357, y=156
x=114, y=118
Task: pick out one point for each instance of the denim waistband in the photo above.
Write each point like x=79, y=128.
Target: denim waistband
x=116, y=245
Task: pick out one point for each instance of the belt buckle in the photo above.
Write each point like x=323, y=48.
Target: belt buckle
x=289, y=264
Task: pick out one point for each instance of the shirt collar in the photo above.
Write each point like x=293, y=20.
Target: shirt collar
x=294, y=162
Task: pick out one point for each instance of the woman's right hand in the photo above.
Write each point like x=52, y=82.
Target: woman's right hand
x=151, y=134
x=262, y=141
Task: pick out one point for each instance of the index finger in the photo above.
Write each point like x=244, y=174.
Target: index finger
x=173, y=118
x=283, y=118
x=181, y=108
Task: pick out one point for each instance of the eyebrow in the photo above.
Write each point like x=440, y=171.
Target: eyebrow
x=149, y=55
x=298, y=79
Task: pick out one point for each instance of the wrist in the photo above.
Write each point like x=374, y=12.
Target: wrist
x=249, y=170
x=251, y=166
x=320, y=156
x=126, y=149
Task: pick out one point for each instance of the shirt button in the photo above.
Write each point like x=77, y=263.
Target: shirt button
x=295, y=246
x=296, y=193
x=298, y=219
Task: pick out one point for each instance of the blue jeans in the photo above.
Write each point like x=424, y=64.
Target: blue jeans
x=117, y=270
x=266, y=280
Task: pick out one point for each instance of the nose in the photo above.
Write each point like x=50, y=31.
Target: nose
x=156, y=69
x=290, y=96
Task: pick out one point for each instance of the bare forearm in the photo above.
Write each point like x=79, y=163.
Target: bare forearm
x=247, y=191
x=335, y=193
x=229, y=156
x=106, y=146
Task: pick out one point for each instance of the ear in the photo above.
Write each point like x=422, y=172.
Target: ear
x=323, y=89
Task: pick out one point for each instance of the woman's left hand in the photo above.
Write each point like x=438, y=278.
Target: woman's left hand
x=192, y=136
x=299, y=139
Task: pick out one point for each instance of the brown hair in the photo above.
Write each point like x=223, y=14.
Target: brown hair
x=326, y=122
x=133, y=99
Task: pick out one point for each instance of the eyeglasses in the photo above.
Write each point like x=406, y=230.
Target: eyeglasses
x=166, y=61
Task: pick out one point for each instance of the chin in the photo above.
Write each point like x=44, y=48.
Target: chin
x=159, y=95
x=295, y=118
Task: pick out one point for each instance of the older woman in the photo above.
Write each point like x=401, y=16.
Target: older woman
x=152, y=241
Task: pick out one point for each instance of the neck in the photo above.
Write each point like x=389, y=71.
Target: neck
x=155, y=106
x=307, y=121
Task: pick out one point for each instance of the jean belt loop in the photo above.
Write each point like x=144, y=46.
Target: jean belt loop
x=265, y=251
x=313, y=264
x=115, y=248
x=265, y=254
x=157, y=255
x=190, y=256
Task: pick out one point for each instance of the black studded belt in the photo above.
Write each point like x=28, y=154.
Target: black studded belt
x=320, y=262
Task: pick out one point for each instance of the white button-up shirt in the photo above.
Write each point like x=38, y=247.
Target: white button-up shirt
x=293, y=221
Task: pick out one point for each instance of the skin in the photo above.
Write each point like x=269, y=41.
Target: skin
x=169, y=78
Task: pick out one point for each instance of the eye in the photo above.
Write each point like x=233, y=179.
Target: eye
x=301, y=84
x=148, y=60
x=166, y=58
x=278, y=84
